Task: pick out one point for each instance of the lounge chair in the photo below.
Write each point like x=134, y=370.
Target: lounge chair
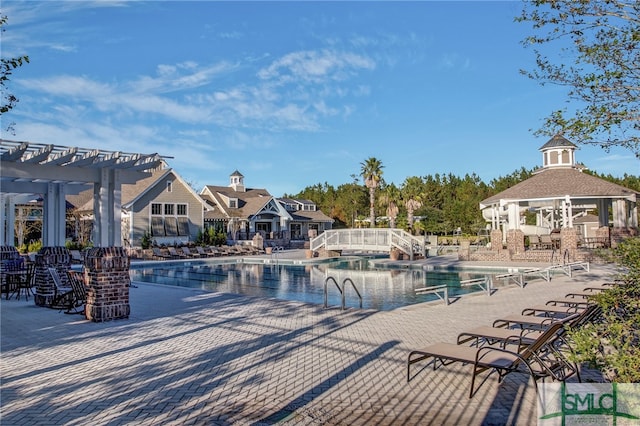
x=159, y=254
x=201, y=252
x=487, y=335
x=214, y=251
x=546, y=242
x=188, y=253
x=524, y=321
x=174, y=253
x=552, y=311
x=540, y=359
x=494, y=335
x=534, y=242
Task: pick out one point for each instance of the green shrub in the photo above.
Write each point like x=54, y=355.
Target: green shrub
x=612, y=345
x=146, y=240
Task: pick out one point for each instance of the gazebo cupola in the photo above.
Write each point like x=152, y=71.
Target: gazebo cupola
x=558, y=152
x=236, y=181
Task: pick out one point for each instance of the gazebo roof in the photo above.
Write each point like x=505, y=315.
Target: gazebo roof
x=556, y=183
x=558, y=141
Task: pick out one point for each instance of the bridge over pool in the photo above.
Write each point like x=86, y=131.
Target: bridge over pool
x=370, y=240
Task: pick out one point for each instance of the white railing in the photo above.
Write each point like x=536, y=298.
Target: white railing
x=370, y=239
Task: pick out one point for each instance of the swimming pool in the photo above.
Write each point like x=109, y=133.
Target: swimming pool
x=381, y=288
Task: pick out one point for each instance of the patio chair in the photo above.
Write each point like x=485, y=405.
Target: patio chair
x=79, y=291
x=76, y=257
x=26, y=282
x=540, y=359
x=64, y=294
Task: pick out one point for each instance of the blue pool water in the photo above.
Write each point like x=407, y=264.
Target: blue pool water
x=381, y=289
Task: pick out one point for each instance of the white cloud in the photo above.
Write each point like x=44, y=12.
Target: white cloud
x=315, y=66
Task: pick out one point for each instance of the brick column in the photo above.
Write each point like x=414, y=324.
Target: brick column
x=605, y=232
x=496, y=240
x=568, y=244
x=464, y=252
x=515, y=241
x=49, y=257
x=107, y=278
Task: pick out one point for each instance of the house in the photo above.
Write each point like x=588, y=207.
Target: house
x=306, y=220
x=162, y=204
x=244, y=212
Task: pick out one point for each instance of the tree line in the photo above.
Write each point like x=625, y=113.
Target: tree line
x=432, y=204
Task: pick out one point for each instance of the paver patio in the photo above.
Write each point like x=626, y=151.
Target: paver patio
x=190, y=357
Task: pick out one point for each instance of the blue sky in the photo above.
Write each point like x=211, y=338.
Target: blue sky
x=289, y=93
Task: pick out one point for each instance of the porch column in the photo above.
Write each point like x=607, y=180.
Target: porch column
x=107, y=209
x=54, y=216
x=514, y=216
x=8, y=219
x=3, y=219
x=619, y=213
x=603, y=212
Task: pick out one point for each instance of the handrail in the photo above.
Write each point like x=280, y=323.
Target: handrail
x=344, y=303
x=274, y=253
x=485, y=284
x=341, y=289
x=444, y=289
x=326, y=290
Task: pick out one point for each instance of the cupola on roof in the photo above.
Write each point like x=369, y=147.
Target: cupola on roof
x=558, y=152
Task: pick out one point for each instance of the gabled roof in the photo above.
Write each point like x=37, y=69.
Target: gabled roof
x=310, y=216
x=131, y=193
x=138, y=190
x=555, y=183
x=250, y=201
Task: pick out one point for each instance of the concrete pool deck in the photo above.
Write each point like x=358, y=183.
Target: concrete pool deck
x=185, y=356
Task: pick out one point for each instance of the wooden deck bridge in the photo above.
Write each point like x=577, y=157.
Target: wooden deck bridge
x=370, y=240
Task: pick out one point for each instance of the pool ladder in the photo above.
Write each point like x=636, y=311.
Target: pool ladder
x=341, y=289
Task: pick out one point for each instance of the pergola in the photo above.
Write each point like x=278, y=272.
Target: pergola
x=53, y=172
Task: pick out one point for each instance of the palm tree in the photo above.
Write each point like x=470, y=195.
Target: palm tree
x=390, y=198
x=371, y=172
x=412, y=195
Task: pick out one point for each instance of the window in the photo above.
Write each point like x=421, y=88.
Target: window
x=156, y=208
x=169, y=186
x=182, y=209
x=233, y=203
x=168, y=209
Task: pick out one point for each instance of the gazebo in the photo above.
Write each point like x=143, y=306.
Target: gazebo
x=558, y=193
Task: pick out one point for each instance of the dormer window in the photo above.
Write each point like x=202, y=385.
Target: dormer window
x=233, y=203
